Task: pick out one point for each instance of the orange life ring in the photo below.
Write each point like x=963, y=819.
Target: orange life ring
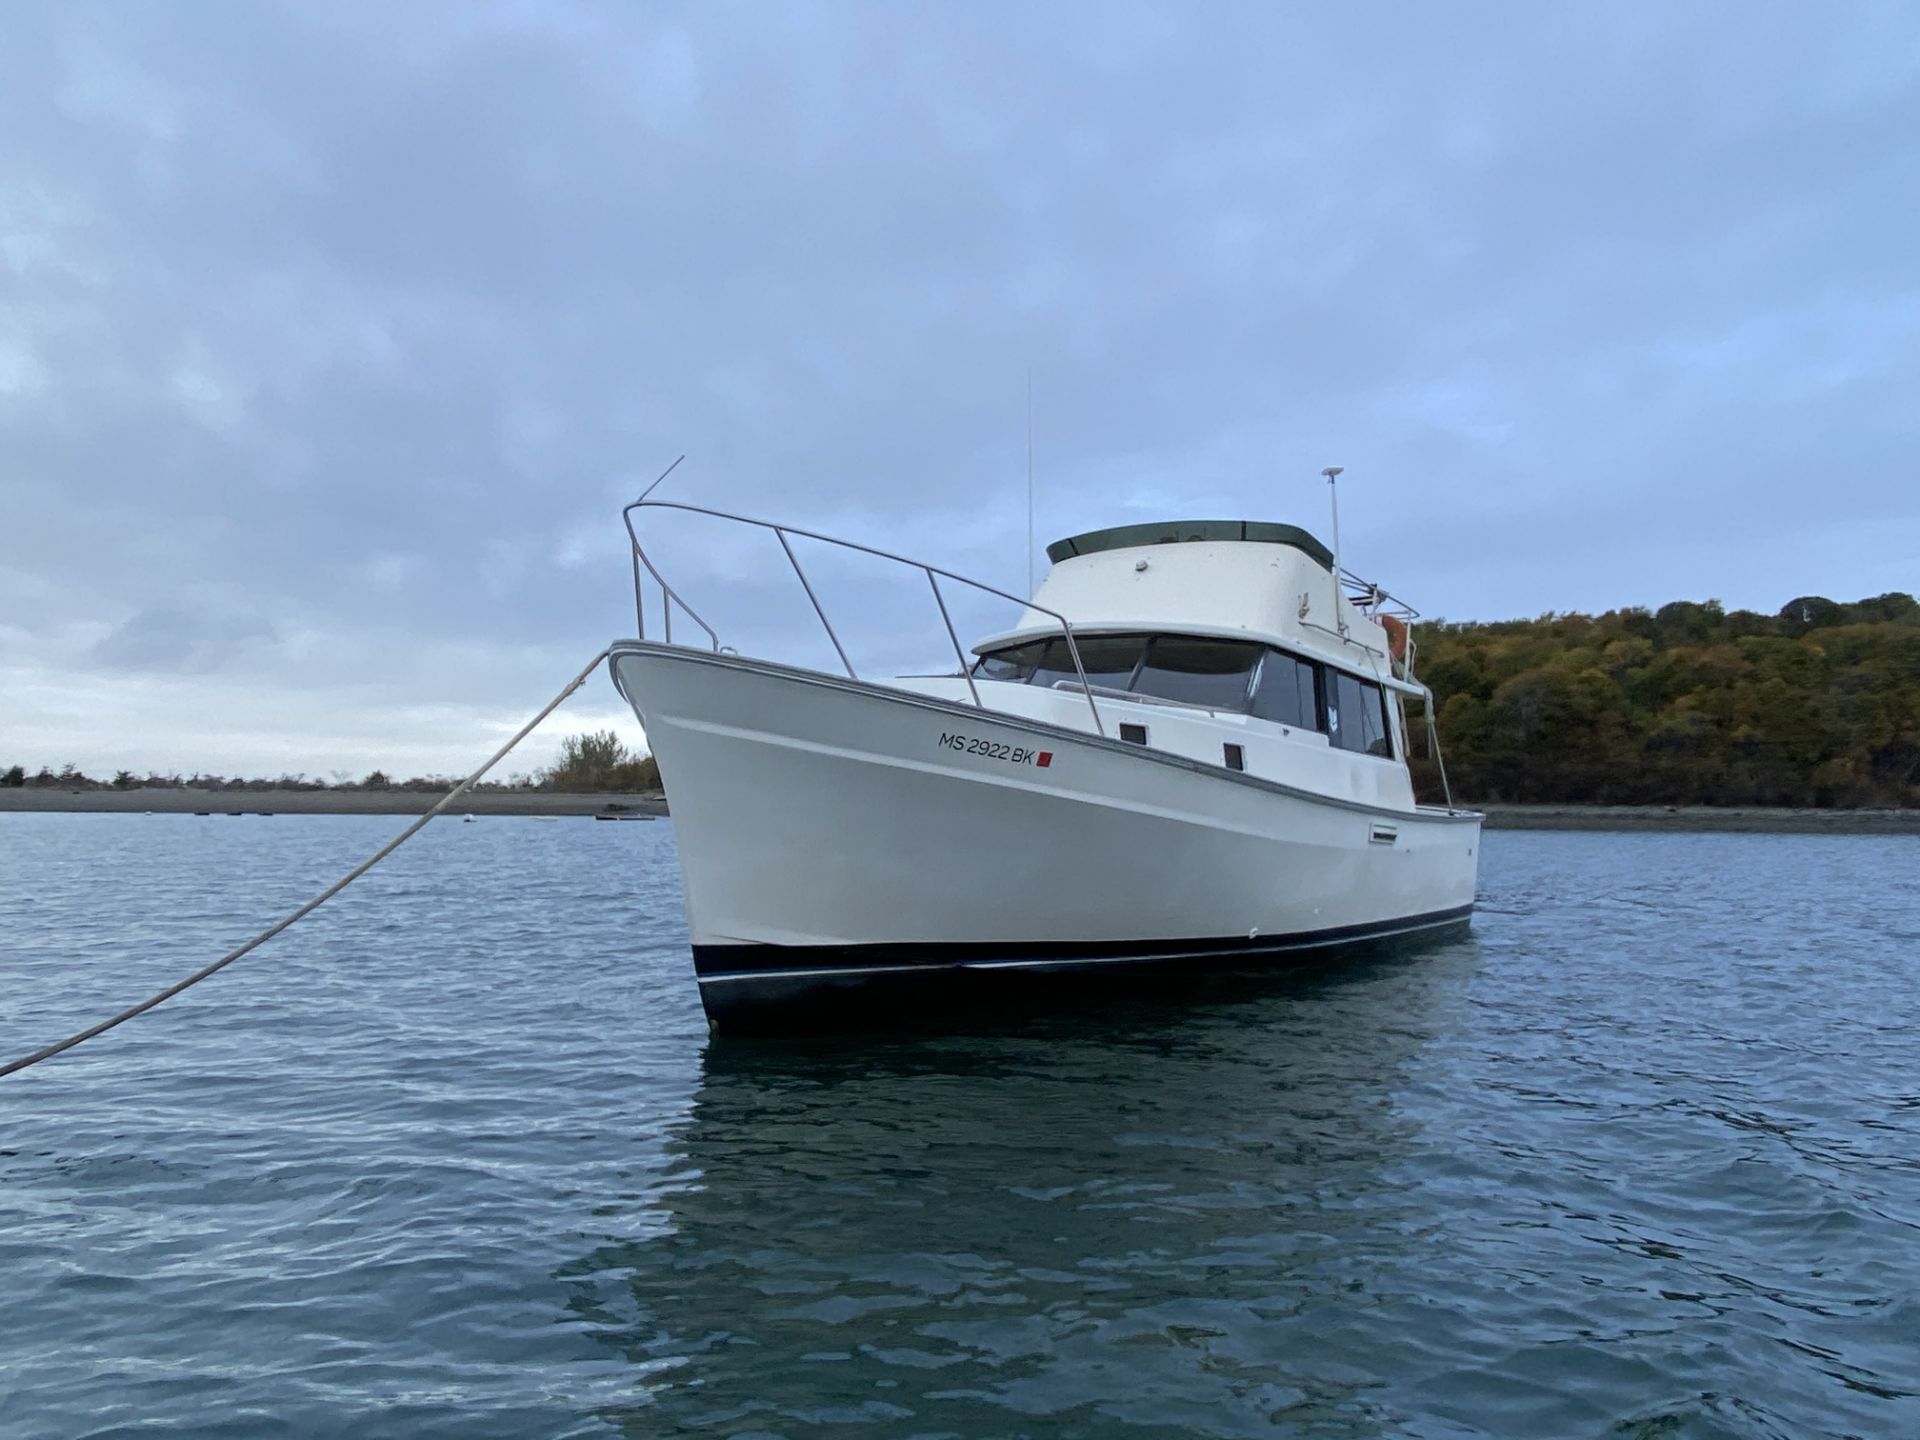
x=1396, y=629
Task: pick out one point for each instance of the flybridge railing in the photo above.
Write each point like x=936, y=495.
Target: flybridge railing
x=669, y=597
x=1370, y=599
x=1375, y=604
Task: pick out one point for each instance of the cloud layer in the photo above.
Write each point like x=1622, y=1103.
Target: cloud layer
x=332, y=338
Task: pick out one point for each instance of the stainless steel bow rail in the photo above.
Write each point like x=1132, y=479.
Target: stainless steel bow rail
x=669, y=597
x=49, y=1051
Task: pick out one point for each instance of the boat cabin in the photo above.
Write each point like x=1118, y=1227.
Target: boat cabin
x=1232, y=642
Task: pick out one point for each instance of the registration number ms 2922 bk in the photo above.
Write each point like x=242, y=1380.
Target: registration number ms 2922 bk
x=996, y=750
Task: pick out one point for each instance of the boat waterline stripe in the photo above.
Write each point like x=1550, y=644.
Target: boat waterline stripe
x=1120, y=954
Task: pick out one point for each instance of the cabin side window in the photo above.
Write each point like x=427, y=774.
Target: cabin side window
x=1378, y=731
x=1197, y=671
x=1357, y=715
x=1287, y=692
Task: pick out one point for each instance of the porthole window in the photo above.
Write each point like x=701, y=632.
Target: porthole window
x=1236, y=757
x=1133, y=734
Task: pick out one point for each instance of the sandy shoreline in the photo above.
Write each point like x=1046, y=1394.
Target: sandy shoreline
x=1747, y=820
x=325, y=802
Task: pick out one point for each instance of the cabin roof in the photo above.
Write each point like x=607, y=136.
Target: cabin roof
x=1175, y=532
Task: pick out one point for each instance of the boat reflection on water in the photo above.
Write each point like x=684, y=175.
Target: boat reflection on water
x=1142, y=1220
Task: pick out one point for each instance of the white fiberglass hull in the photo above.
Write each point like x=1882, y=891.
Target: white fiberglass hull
x=834, y=834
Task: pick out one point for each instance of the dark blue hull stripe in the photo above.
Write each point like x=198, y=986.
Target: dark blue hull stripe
x=723, y=965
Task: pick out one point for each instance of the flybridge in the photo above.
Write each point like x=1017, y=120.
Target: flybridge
x=1228, y=578
x=1370, y=600
x=1177, y=532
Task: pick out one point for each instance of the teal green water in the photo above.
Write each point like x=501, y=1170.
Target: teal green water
x=456, y=1158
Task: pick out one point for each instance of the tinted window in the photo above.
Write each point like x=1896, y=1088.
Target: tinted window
x=1343, y=709
x=1357, y=715
x=1285, y=692
x=1213, y=673
x=1109, y=660
x=1014, y=663
x=1376, y=732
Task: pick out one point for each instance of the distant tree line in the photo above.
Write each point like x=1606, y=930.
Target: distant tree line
x=1690, y=704
x=1818, y=705
x=600, y=761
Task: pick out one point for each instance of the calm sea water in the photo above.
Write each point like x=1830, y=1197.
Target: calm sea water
x=456, y=1158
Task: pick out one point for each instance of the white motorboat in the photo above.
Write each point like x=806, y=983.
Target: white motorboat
x=1189, y=752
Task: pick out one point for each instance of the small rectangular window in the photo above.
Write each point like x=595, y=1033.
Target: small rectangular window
x=1236, y=757
x=1133, y=734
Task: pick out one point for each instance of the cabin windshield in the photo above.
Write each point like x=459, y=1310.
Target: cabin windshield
x=1110, y=661
x=1192, y=670
x=1197, y=671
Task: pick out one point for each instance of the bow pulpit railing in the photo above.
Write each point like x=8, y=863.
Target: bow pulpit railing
x=671, y=598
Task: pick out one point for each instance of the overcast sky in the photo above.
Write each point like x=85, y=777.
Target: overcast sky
x=332, y=337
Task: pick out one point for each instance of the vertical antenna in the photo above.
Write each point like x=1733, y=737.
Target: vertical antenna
x=1332, y=472
x=1029, y=482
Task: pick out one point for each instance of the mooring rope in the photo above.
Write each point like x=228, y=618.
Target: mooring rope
x=314, y=904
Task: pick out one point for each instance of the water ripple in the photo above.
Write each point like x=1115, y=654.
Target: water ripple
x=455, y=1157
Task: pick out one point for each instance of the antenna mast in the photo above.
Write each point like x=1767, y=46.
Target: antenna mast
x=1029, y=482
x=1332, y=472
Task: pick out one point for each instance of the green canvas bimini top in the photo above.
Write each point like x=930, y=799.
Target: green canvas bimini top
x=1176, y=532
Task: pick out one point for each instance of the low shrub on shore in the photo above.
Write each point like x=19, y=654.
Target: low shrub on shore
x=600, y=761
x=625, y=772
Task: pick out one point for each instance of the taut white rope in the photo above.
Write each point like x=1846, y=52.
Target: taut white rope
x=314, y=904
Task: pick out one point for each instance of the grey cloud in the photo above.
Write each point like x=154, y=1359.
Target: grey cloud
x=368, y=314
x=165, y=638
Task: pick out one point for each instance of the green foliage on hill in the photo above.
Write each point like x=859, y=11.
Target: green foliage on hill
x=1689, y=704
